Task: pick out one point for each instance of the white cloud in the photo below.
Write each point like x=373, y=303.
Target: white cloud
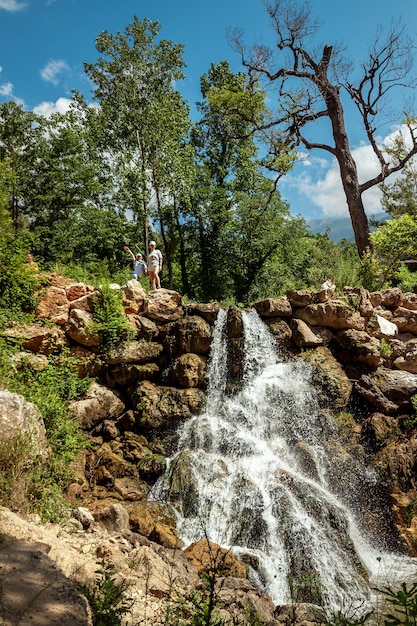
x=319, y=181
x=12, y=5
x=6, y=89
x=46, y=109
x=52, y=71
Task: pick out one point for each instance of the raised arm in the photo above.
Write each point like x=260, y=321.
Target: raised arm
x=127, y=249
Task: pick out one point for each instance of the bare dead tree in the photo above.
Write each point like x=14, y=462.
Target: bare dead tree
x=309, y=83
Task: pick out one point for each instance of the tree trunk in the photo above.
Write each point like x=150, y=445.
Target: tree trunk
x=347, y=167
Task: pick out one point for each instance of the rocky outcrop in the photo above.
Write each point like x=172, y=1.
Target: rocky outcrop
x=360, y=346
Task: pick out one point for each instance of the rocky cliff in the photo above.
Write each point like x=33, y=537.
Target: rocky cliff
x=362, y=348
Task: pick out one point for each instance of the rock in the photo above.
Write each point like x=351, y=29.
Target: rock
x=380, y=327
x=19, y=418
x=234, y=322
x=333, y=314
x=360, y=299
x=405, y=320
x=190, y=334
x=390, y=391
x=163, y=305
x=273, y=307
x=134, y=297
x=333, y=386
x=280, y=329
x=129, y=373
x=299, y=298
x=163, y=407
x=113, y=518
x=303, y=336
x=35, y=362
x=378, y=429
x=359, y=347
x=409, y=301
x=54, y=305
x=408, y=361
x=84, y=516
x=36, y=338
x=242, y=603
x=207, y=556
x=207, y=311
x=79, y=328
x=134, y=352
x=145, y=328
x=97, y=404
x=189, y=370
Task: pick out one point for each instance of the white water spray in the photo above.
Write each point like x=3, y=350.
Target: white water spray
x=260, y=480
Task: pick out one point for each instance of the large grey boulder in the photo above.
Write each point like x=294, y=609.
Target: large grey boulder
x=21, y=418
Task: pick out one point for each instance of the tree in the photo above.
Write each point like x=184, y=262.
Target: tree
x=394, y=241
x=310, y=86
x=144, y=120
x=19, y=132
x=400, y=197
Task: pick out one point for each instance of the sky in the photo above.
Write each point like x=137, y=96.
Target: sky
x=43, y=44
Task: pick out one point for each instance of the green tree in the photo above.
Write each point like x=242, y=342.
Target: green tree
x=394, y=241
x=311, y=82
x=19, y=132
x=400, y=196
x=135, y=76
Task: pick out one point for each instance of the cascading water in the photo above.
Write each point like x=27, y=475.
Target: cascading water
x=255, y=472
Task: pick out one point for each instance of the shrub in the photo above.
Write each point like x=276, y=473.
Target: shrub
x=109, y=322
x=107, y=597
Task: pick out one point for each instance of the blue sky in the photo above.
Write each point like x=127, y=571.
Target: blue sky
x=43, y=44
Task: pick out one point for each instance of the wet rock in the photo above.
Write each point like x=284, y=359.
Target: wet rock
x=333, y=386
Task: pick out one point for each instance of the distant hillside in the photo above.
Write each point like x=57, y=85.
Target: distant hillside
x=340, y=227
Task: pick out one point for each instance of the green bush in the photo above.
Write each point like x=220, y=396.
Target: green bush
x=50, y=389
x=109, y=322
x=18, y=281
x=107, y=597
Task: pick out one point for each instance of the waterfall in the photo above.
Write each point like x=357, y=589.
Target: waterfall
x=261, y=471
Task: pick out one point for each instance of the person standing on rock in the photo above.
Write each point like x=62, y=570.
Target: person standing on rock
x=154, y=265
x=139, y=265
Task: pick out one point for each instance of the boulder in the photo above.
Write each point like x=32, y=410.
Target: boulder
x=333, y=385
x=190, y=334
x=54, y=305
x=36, y=338
x=163, y=407
x=19, y=418
x=273, y=307
x=134, y=352
x=299, y=298
x=134, y=297
x=97, y=404
x=189, y=370
x=334, y=314
x=207, y=311
x=209, y=557
x=163, y=305
x=79, y=328
x=408, y=360
x=390, y=391
x=359, y=347
x=303, y=336
x=381, y=327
